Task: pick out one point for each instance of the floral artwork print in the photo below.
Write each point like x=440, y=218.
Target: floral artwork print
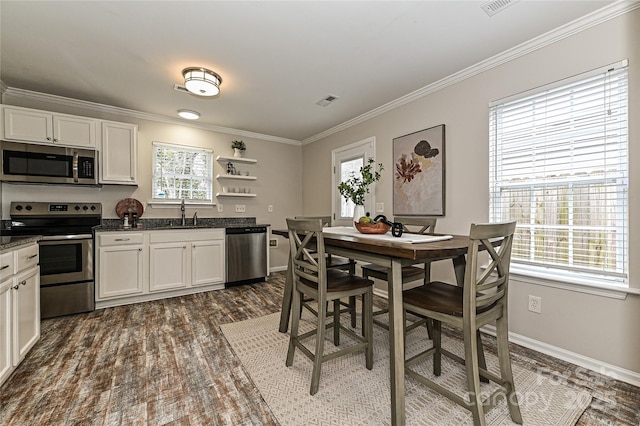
x=418, y=187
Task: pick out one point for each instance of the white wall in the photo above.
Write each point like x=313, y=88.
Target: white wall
x=278, y=170
x=596, y=327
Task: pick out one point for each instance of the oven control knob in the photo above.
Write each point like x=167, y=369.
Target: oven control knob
x=93, y=208
x=29, y=207
x=77, y=208
x=85, y=208
x=19, y=207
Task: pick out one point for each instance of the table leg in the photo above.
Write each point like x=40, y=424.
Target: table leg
x=459, y=264
x=396, y=344
x=286, y=299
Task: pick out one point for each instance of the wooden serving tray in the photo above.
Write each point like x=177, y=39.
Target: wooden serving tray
x=129, y=205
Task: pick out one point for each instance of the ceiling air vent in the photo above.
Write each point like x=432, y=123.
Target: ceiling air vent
x=179, y=88
x=327, y=100
x=494, y=6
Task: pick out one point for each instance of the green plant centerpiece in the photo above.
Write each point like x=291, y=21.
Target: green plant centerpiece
x=356, y=187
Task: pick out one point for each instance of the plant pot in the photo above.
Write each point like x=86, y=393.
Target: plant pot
x=238, y=153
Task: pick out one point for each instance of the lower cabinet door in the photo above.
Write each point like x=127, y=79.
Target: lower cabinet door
x=168, y=266
x=26, y=312
x=6, y=320
x=207, y=262
x=120, y=271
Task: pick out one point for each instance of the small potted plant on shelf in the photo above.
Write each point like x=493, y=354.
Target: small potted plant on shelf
x=356, y=187
x=238, y=148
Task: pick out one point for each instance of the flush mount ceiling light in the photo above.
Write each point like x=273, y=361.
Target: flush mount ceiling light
x=188, y=114
x=201, y=81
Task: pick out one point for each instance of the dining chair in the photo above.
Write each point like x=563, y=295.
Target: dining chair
x=417, y=225
x=312, y=278
x=336, y=262
x=482, y=300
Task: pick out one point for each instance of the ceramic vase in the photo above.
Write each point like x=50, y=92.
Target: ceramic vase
x=358, y=212
x=238, y=153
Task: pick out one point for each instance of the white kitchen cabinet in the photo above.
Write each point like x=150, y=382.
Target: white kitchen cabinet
x=137, y=266
x=31, y=125
x=26, y=313
x=6, y=328
x=19, y=306
x=207, y=262
x=167, y=266
x=119, y=153
x=120, y=264
x=186, y=258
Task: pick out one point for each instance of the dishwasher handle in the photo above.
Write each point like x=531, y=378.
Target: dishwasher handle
x=246, y=230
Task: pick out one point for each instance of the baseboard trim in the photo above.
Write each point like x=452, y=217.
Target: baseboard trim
x=278, y=268
x=609, y=370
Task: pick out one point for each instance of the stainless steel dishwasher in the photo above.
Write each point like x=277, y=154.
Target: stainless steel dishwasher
x=246, y=254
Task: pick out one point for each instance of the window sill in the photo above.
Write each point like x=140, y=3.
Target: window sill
x=172, y=204
x=549, y=280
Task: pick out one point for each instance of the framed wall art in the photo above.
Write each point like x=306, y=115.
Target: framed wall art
x=419, y=173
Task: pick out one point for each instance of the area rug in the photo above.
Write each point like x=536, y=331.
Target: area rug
x=350, y=394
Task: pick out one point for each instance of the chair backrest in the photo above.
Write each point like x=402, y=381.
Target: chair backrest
x=326, y=220
x=486, y=286
x=307, y=252
x=426, y=224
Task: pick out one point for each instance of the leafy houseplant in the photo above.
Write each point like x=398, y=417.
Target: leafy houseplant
x=238, y=148
x=356, y=187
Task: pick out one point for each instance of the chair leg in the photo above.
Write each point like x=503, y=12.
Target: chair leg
x=295, y=321
x=482, y=363
x=367, y=326
x=317, y=359
x=437, y=343
x=352, y=309
x=336, y=322
x=504, y=358
x=473, y=376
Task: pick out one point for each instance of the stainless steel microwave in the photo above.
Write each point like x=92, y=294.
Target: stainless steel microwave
x=31, y=163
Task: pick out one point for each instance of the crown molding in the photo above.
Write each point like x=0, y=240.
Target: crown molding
x=93, y=106
x=595, y=18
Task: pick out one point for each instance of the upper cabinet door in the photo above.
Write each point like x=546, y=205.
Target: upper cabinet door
x=70, y=130
x=119, y=153
x=30, y=125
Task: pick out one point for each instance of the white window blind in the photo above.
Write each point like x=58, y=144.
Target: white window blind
x=182, y=173
x=559, y=166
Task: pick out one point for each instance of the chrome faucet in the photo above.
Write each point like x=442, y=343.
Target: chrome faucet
x=195, y=219
x=184, y=222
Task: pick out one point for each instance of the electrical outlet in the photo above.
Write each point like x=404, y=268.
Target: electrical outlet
x=379, y=207
x=220, y=208
x=240, y=208
x=270, y=208
x=273, y=242
x=535, y=304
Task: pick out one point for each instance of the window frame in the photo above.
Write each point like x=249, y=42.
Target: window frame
x=537, y=272
x=183, y=149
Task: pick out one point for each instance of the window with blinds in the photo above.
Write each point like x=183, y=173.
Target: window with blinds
x=559, y=166
x=182, y=173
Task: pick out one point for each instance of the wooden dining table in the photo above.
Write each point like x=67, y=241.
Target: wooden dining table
x=393, y=254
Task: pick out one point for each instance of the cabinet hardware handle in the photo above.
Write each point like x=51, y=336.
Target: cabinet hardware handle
x=32, y=256
x=48, y=138
x=4, y=267
x=184, y=247
x=55, y=140
x=23, y=282
x=17, y=286
x=123, y=239
x=139, y=249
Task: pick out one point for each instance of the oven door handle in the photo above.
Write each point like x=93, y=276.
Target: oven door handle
x=67, y=237
x=75, y=166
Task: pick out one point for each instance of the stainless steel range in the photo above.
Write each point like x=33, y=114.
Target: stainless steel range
x=66, y=252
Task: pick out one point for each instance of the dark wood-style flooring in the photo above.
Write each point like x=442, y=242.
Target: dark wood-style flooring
x=167, y=362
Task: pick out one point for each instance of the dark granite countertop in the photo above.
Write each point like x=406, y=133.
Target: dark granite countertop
x=169, y=224
x=11, y=242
